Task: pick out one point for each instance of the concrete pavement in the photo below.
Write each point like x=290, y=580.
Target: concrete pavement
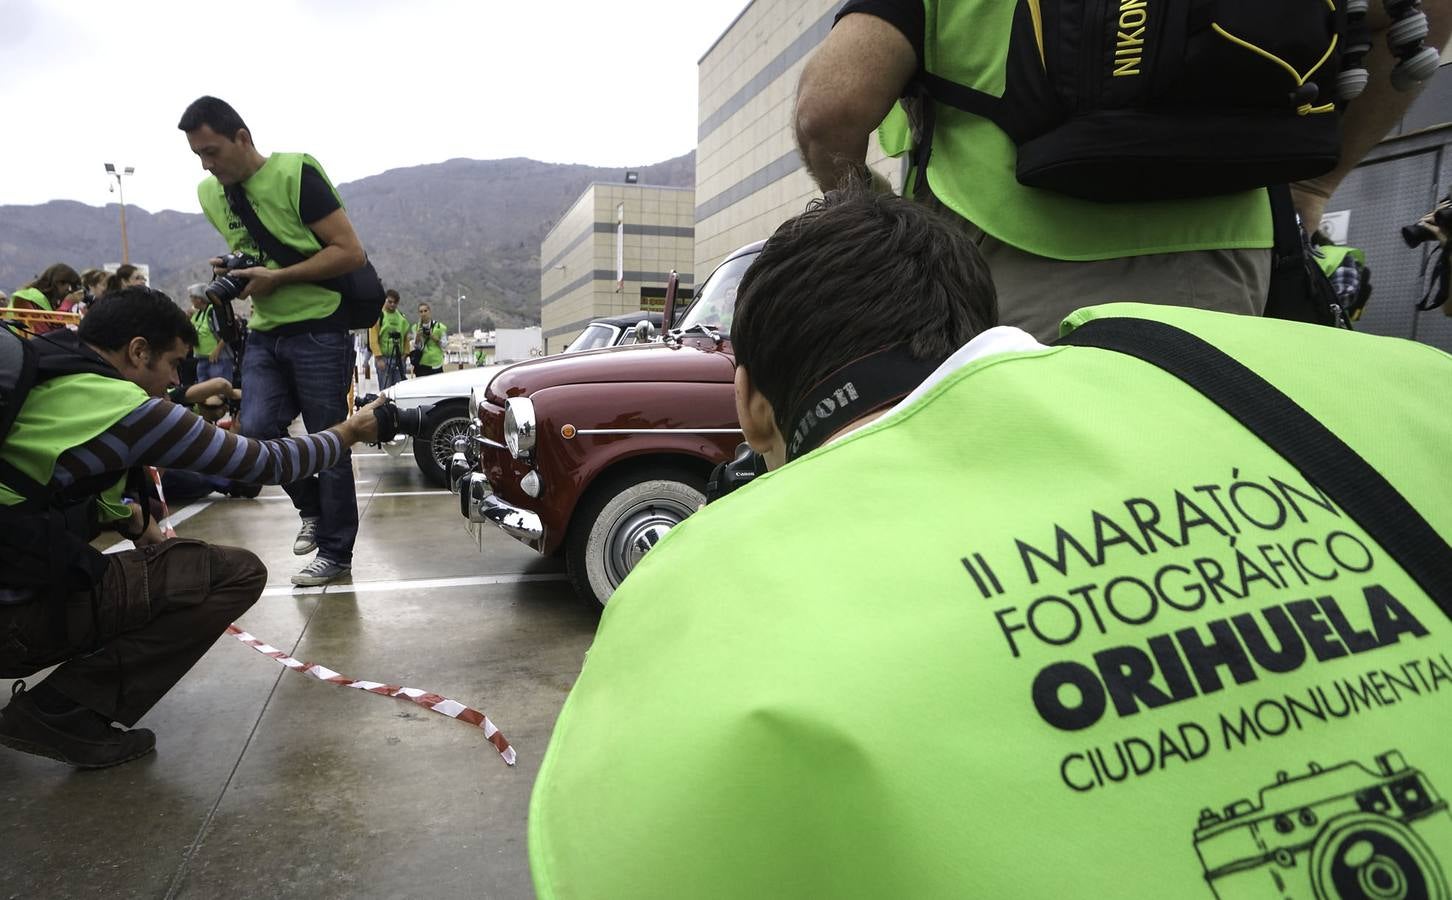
x=267, y=783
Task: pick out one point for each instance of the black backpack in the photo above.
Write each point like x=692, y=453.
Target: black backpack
x=1123, y=100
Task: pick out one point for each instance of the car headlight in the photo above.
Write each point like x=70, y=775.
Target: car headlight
x=519, y=426
x=476, y=399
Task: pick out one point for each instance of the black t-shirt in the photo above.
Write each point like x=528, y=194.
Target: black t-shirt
x=315, y=199
x=904, y=15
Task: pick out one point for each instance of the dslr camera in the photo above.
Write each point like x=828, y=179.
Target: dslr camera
x=1434, y=226
x=1347, y=831
x=393, y=421
x=227, y=286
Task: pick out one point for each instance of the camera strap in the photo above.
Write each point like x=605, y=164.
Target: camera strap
x=265, y=240
x=863, y=386
x=1324, y=459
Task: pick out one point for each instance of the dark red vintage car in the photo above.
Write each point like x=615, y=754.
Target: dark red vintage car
x=597, y=455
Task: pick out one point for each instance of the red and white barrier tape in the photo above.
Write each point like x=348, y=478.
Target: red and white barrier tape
x=439, y=704
x=165, y=523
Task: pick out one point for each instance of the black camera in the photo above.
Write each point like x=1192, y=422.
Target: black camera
x=734, y=473
x=393, y=421
x=1427, y=228
x=227, y=287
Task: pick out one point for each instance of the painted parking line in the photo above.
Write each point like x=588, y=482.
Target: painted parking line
x=418, y=584
x=378, y=494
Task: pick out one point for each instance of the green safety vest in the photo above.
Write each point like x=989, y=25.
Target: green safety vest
x=34, y=295
x=971, y=166
x=1330, y=257
x=1060, y=627
x=61, y=413
x=206, y=337
x=392, y=328
x=274, y=192
x=433, y=351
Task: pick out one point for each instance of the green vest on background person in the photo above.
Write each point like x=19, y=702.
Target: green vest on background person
x=206, y=336
x=34, y=295
x=1070, y=637
x=392, y=329
x=432, y=354
x=274, y=193
x=971, y=167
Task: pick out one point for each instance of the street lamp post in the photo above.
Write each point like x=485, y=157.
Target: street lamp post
x=121, y=189
x=459, y=323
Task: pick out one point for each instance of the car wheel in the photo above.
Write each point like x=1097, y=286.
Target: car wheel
x=622, y=519
x=433, y=449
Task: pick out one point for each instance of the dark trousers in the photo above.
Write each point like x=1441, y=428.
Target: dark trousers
x=309, y=374
x=421, y=370
x=156, y=611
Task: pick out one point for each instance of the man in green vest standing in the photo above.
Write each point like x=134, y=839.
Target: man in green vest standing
x=1013, y=620
x=390, y=342
x=123, y=628
x=428, y=342
x=299, y=356
x=1051, y=252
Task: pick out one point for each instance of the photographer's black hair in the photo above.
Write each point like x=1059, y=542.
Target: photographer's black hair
x=856, y=273
x=217, y=115
x=137, y=312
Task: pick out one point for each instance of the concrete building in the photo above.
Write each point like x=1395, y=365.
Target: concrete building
x=749, y=177
x=612, y=253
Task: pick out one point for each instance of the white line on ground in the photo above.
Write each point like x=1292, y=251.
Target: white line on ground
x=379, y=494
x=422, y=584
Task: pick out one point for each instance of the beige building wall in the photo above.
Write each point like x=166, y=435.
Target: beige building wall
x=577, y=281
x=749, y=177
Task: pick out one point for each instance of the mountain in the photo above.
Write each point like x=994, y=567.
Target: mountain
x=432, y=231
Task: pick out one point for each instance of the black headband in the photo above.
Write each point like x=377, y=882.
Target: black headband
x=863, y=386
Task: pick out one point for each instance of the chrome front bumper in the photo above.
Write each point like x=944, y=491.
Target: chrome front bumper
x=477, y=503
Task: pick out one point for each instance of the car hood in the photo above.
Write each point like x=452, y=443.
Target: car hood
x=687, y=362
x=431, y=388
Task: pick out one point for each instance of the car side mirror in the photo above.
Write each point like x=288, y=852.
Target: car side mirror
x=644, y=331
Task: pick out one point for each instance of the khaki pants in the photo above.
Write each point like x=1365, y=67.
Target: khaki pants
x=156, y=611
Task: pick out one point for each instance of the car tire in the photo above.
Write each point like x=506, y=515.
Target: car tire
x=433, y=448
x=620, y=516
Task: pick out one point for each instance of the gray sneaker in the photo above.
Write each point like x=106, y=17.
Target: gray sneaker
x=307, y=537
x=321, y=571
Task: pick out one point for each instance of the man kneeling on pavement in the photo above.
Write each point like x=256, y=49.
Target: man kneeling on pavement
x=1013, y=620
x=125, y=627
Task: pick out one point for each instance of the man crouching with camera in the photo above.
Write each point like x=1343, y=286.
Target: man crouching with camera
x=1014, y=620
x=125, y=627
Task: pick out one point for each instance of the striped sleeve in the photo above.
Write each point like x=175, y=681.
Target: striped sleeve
x=160, y=433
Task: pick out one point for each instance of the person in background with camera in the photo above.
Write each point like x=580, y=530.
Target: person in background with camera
x=1049, y=250
x=214, y=357
x=299, y=356
x=388, y=340
x=47, y=292
x=1053, y=639
x=124, y=627
x=428, y=343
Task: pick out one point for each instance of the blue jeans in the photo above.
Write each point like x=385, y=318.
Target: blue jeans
x=222, y=368
x=307, y=374
x=390, y=371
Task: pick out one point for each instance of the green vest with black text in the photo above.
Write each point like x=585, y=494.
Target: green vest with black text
x=1060, y=627
x=274, y=193
x=971, y=166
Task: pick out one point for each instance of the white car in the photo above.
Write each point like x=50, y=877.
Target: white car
x=448, y=392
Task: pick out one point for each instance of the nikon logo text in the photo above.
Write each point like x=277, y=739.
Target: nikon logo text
x=1129, y=38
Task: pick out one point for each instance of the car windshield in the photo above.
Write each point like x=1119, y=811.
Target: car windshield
x=595, y=336
x=716, y=303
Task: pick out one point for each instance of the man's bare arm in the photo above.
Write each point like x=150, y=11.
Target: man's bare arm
x=342, y=253
x=1372, y=115
x=846, y=90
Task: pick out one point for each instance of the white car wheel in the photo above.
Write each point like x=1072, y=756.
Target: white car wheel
x=622, y=520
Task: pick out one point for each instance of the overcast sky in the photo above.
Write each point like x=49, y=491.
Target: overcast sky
x=363, y=85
